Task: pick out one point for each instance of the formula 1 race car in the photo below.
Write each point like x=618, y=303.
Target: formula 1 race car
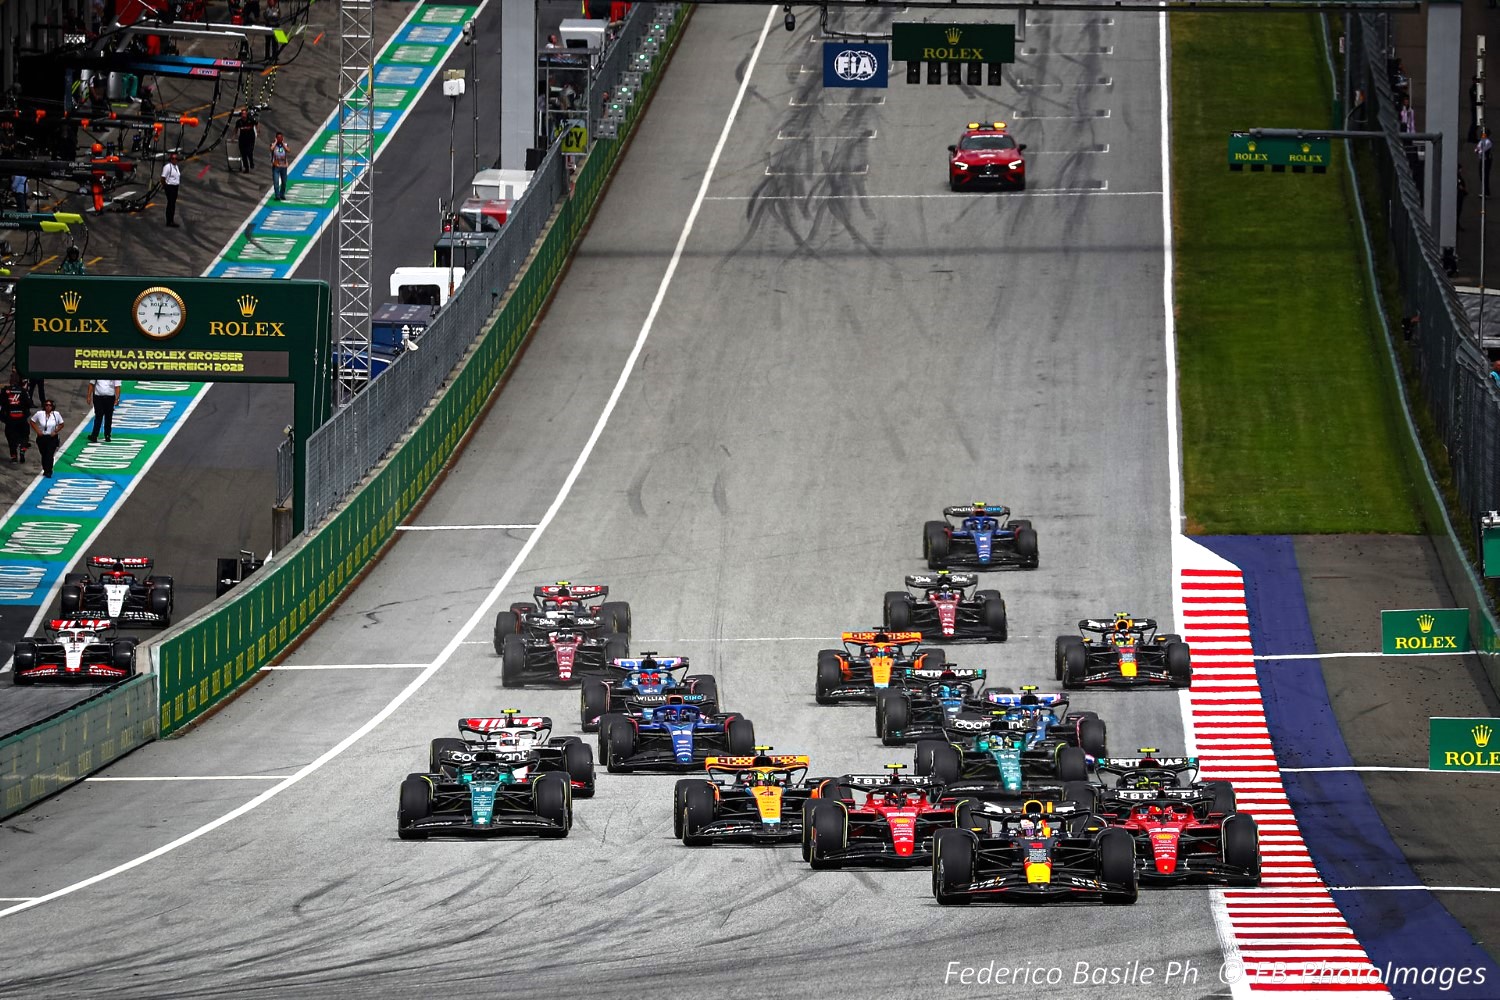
x=871, y=662
x=555, y=650
x=892, y=827
x=672, y=737
x=564, y=600
x=986, y=156
x=1127, y=653
x=947, y=608
x=1186, y=831
x=1026, y=736
x=756, y=799
x=488, y=796
x=74, y=650
x=513, y=734
x=1039, y=853
x=118, y=593
x=923, y=705
x=985, y=538
x=641, y=681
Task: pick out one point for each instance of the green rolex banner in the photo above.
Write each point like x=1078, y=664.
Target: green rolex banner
x=1463, y=744
x=1424, y=630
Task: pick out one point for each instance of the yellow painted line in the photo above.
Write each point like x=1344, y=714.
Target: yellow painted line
x=91, y=262
x=46, y=260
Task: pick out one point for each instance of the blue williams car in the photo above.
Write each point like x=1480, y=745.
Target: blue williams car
x=676, y=736
x=979, y=536
x=493, y=795
x=641, y=681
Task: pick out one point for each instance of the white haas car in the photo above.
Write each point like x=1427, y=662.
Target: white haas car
x=121, y=589
x=77, y=650
x=517, y=737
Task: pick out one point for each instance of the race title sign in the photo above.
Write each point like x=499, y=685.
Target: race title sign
x=1463, y=744
x=1424, y=630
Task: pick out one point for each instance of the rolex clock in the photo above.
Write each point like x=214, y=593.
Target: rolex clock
x=159, y=312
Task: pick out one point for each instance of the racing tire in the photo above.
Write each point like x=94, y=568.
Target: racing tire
x=1163, y=640
x=1081, y=794
x=706, y=685
x=72, y=600
x=1092, y=736
x=808, y=805
x=1071, y=765
x=830, y=834
x=616, y=647
x=932, y=658
x=698, y=810
x=436, y=748
x=939, y=759
x=897, y=610
x=953, y=866
x=830, y=676
x=1026, y=547
x=1225, y=801
x=1075, y=667
x=677, y=793
x=616, y=742
x=164, y=584
x=896, y=719
x=522, y=609
x=963, y=816
x=414, y=803
x=935, y=544
x=506, y=623
x=616, y=615
x=1116, y=853
x=880, y=700
x=552, y=799
x=513, y=662
x=579, y=758
x=593, y=702
x=739, y=734
x=161, y=605
x=992, y=613
x=1240, y=847
x=24, y=659
x=70, y=579
x=1179, y=665
x=122, y=655
x=1060, y=657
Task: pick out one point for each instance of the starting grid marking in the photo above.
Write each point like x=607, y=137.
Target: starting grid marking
x=462, y=527
x=1288, y=933
x=194, y=777
x=349, y=666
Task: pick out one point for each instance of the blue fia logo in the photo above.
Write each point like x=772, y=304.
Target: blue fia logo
x=856, y=64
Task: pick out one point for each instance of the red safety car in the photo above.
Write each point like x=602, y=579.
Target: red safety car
x=986, y=155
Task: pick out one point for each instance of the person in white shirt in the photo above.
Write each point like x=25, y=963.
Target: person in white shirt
x=171, y=178
x=104, y=393
x=47, y=423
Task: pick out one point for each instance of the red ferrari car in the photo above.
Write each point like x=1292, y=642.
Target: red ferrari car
x=986, y=156
x=893, y=826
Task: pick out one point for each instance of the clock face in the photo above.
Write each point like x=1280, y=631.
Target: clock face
x=159, y=312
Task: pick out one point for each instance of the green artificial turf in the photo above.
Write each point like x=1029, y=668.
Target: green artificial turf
x=1290, y=420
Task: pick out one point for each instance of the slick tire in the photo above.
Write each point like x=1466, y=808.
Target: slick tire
x=740, y=735
x=708, y=686
x=897, y=719
x=616, y=742
x=677, y=813
x=830, y=834
x=939, y=759
x=935, y=543
x=1116, y=849
x=122, y=655
x=24, y=659
x=593, y=703
x=1179, y=665
x=1081, y=794
x=930, y=658
x=1240, y=847
x=897, y=610
x=437, y=748
x=506, y=623
x=1026, y=547
x=1170, y=637
x=698, y=810
x=579, y=758
x=1060, y=657
x=513, y=661
x=1092, y=737
x=1225, y=800
x=992, y=613
x=953, y=866
x=1075, y=667
x=1071, y=765
x=71, y=579
x=552, y=799
x=830, y=676
x=413, y=803
x=161, y=605
x=616, y=616
x=616, y=647
x=72, y=600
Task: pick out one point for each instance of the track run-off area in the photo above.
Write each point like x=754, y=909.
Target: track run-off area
x=781, y=347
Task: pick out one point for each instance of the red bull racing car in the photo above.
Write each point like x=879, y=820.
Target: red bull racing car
x=1122, y=651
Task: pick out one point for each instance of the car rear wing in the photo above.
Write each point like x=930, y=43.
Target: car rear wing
x=96, y=624
x=932, y=581
x=665, y=664
x=120, y=562
x=1124, y=765
x=977, y=510
x=1099, y=626
x=968, y=727
x=996, y=792
x=1158, y=794
x=654, y=700
x=1018, y=700
x=485, y=726
x=776, y=761
x=1049, y=807
x=563, y=589
x=880, y=636
x=922, y=781
x=947, y=673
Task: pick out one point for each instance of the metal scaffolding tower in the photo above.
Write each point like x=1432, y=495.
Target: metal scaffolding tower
x=356, y=179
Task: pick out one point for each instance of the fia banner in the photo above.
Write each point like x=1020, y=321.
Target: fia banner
x=856, y=64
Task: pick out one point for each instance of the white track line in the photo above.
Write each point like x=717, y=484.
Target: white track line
x=461, y=527
x=348, y=666
x=196, y=777
x=1412, y=888
x=482, y=612
x=1404, y=770
x=16, y=899
x=856, y=172
x=938, y=195
x=1345, y=656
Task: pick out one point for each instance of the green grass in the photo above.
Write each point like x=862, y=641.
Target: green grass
x=1290, y=420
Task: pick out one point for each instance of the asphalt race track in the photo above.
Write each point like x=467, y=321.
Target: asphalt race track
x=843, y=347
